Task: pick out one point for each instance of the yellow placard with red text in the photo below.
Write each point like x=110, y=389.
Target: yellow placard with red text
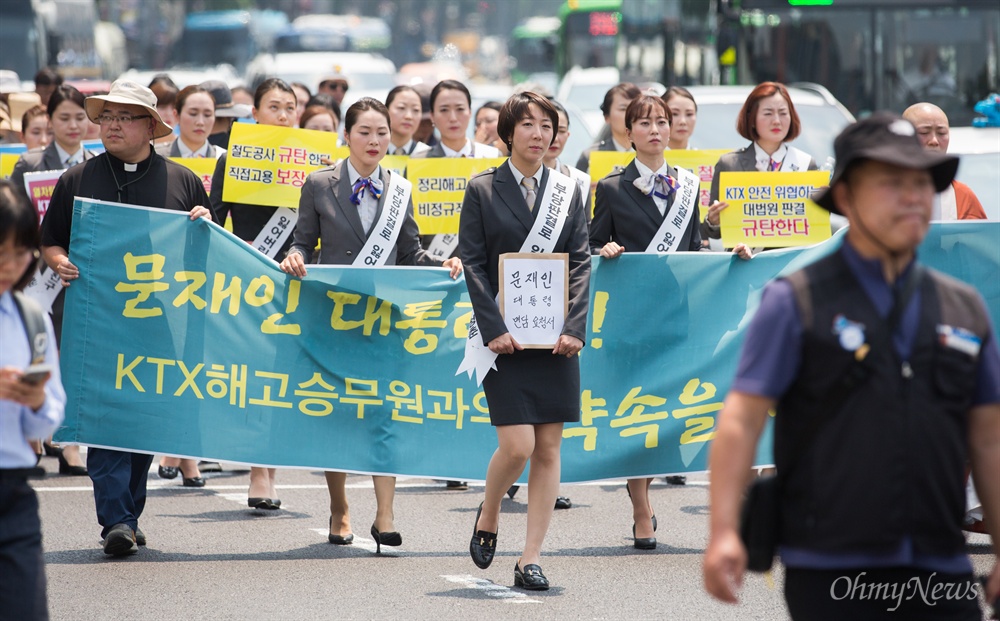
x=267, y=165
x=699, y=161
x=204, y=167
x=439, y=189
x=773, y=209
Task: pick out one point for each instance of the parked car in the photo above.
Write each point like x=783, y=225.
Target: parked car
x=585, y=89
x=979, y=150
x=367, y=74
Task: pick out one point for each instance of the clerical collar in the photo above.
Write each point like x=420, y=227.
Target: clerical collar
x=117, y=164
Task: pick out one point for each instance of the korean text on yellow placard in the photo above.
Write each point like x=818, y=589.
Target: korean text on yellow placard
x=773, y=209
x=267, y=165
x=439, y=188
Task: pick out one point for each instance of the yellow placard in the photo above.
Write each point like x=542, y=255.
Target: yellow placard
x=702, y=163
x=699, y=161
x=773, y=209
x=204, y=167
x=439, y=188
x=396, y=163
x=267, y=165
x=7, y=161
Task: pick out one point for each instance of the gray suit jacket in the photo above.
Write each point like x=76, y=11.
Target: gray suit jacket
x=327, y=214
x=496, y=220
x=37, y=160
x=627, y=216
x=438, y=151
x=171, y=149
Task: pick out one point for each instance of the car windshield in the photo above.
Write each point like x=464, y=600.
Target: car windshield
x=979, y=172
x=588, y=96
x=716, y=129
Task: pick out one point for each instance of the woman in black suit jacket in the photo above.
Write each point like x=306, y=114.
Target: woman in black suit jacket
x=533, y=392
x=69, y=123
x=330, y=209
x=769, y=121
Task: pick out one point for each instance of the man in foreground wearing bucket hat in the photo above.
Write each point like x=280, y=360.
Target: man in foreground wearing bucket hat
x=128, y=172
x=884, y=375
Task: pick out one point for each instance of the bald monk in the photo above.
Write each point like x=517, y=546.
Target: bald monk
x=957, y=202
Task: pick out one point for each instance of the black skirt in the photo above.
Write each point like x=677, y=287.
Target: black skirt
x=533, y=387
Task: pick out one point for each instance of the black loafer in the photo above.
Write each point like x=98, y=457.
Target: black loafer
x=140, y=537
x=194, y=482
x=563, y=502
x=483, y=546
x=530, y=578
x=167, y=472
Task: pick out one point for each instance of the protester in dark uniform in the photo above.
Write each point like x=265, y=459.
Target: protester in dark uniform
x=616, y=100
x=884, y=376
x=28, y=411
x=128, y=172
x=533, y=392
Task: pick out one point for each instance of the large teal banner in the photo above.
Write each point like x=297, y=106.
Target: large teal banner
x=181, y=339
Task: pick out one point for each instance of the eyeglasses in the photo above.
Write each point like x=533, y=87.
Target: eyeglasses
x=21, y=256
x=124, y=119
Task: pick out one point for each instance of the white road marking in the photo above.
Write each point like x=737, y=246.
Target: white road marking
x=492, y=589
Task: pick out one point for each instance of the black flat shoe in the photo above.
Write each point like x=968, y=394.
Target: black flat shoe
x=194, y=482
x=563, y=502
x=168, y=472
x=385, y=539
x=73, y=471
x=483, y=546
x=339, y=539
x=530, y=578
x=643, y=543
x=677, y=479
x=264, y=503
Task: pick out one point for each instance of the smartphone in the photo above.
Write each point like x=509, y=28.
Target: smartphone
x=36, y=373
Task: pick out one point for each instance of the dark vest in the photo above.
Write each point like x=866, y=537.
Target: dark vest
x=890, y=463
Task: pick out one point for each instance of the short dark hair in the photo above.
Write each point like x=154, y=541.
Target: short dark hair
x=489, y=105
x=327, y=101
x=186, y=92
x=65, y=92
x=625, y=89
x=303, y=87
x=240, y=89
x=47, y=76
x=560, y=110
x=449, y=85
x=364, y=105
x=679, y=91
x=165, y=90
x=516, y=108
x=269, y=85
x=402, y=88
x=642, y=107
x=745, y=121
x=18, y=221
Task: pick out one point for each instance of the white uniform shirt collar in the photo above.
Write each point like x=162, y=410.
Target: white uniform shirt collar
x=74, y=158
x=518, y=177
x=353, y=175
x=764, y=160
x=204, y=151
x=466, y=150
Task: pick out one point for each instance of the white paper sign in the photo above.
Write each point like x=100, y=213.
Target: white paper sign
x=534, y=297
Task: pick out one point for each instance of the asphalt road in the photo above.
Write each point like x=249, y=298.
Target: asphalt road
x=211, y=557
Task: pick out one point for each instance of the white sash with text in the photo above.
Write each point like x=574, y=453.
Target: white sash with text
x=272, y=237
x=795, y=160
x=382, y=238
x=542, y=237
x=676, y=222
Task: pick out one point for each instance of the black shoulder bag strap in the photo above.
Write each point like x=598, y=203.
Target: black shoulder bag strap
x=33, y=318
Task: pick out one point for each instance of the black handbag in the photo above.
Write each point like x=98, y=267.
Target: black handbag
x=760, y=515
x=759, y=525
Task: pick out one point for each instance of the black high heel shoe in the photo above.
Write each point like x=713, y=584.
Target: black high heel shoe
x=530, y=578
x=167, y=472
x=385, y=539
x=49, y=450
x=194, y=482
x=66, y=468
x=483, y=546
x=339, y=540
x=643, y=543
